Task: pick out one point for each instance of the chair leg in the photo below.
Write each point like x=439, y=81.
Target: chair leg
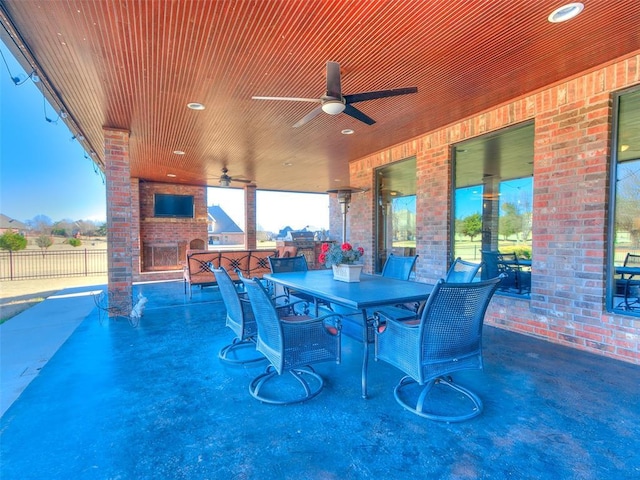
x=415, y=397
x=231, y=353
x=306, y=377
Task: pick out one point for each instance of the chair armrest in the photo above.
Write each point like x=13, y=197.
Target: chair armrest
x=381, y=320
x=332, y=326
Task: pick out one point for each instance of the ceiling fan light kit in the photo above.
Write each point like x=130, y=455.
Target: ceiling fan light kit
x=225, y=179
x=333, y=102
x=333, y=107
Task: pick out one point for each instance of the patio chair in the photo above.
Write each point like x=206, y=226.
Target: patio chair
x=291, y=344
x=399, y=267
x=628, y=285
x=446, y=339
x=462, y=271
x=292, y=264
x=240, y=319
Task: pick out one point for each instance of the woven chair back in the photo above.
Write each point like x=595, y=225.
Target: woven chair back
x=399, y=267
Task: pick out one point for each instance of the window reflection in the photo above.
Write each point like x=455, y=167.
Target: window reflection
x=396, y=216
x=493, y=204
x=625, y=286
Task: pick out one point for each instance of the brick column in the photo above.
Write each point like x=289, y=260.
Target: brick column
x=250, y=217
x=119, y=221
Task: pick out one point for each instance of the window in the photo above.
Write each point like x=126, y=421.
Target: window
x=493, y=203
x=396, y=215
x=624, y=229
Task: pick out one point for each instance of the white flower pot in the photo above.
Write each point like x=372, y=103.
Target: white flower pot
x=347, y=273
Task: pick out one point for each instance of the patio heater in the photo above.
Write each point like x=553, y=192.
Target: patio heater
x=344, y=199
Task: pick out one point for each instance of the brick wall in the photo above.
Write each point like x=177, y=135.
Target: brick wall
x=162, y=235
x=250, y=237
x=571, y=182
x=120, y=227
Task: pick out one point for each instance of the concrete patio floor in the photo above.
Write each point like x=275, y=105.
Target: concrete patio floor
x=154, y=402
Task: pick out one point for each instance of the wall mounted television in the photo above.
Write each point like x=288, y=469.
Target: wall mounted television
x=172, y=206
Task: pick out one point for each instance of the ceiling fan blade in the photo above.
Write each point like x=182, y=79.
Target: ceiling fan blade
x=334, y=88
x=358, y=115
x=308, y=117
x=233, y=179
x=361, y=97
x=290, y=99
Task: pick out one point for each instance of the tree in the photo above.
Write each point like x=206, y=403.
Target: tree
x=44, y=241
x=64, y=228
x=628, y=201
x=472, y=226
x=12, y=241
x=40, y=224
x=510, y=222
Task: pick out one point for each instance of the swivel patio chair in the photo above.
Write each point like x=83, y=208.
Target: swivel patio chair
x=399, y=267
x=291, y=344
x=462, y=271
x=292, y=264
x=446, y=339
x=396, y=266
x=239, y=319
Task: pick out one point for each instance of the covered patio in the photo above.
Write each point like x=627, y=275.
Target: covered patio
x=161, y=95
x=170, y=98
x=155, y=402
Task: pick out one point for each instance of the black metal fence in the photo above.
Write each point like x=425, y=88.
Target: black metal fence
x=23, y=265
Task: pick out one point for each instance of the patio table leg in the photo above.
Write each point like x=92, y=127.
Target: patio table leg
x=365, y=348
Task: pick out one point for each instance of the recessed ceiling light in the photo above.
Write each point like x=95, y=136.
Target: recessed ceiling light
x=195, y=106
x=178, y=152
x=287, y=164
x=566, y=12
x=172, y=175
x=348, y=131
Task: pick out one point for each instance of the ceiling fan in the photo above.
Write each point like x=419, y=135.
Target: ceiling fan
x=225, y=180
x=334, y=102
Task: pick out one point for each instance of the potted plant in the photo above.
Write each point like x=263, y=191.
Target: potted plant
x=342, y=259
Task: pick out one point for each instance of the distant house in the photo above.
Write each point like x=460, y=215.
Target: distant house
x=221, y=229
x=8, y=224
x=284, y=233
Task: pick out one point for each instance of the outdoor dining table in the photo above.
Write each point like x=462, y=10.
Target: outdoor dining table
x=371, y=292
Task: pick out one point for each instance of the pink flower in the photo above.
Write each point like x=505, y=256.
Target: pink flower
x=346, y=247
x=324, y=248
x=322, y=257
x=361, y=250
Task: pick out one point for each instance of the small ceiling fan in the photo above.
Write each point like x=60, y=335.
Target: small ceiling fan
x=225, y=180
x=334, y=102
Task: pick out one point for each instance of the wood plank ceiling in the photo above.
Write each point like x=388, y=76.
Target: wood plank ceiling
x=135, y=65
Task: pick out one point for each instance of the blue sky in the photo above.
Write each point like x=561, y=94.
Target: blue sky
x=43, y=171
x=517, y=191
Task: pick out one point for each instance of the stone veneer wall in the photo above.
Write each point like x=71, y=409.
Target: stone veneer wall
x=571, y=185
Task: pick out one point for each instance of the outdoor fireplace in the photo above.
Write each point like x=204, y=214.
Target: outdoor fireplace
x=163, y=256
